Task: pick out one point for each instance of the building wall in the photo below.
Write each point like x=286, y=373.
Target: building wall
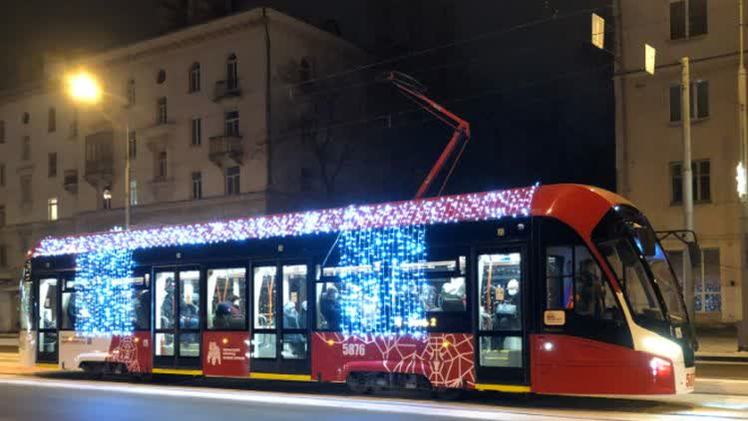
x=647, y=142
x=159, y=200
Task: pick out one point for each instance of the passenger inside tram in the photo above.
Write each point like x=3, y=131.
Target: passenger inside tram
x=329, y=309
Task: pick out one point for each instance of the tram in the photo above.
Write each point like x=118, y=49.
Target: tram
x=553, y=289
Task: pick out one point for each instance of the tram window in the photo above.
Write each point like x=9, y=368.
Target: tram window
x=226, y=299
x=164, y=344
x=142, y=308
x=499, y=283
x=265, y=290
x=501, y=351
x=189, y=303
x=294, y=346
x=444, y=294
x=263, y=345
x=328, y=306
x=69, y=309
x=294, y=297
x=165, y=300
x=47, y=342
x=48, y=303
x=575, y=282
x=189, y=344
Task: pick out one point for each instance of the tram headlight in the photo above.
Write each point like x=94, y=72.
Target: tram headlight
x=658, y=345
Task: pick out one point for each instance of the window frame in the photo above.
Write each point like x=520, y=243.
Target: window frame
x=689, y=9
x=52, y=165
x=696, y=88
x=51, y=120
x=53, y=209
x=197, y=185
x=193, y=84
x=162, y=116
x=699, y=180
x=246, y=295
x=232, y=182
x=196, y=130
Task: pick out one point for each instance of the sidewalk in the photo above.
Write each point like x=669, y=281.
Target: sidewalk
x=10, y=364
x=719, y=342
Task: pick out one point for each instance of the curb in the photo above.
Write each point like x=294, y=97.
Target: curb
x=712, y=386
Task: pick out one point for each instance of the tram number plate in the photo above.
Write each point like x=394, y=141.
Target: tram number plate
x=354, y=350
x=690, y=380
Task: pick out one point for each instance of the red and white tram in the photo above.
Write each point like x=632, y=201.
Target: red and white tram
x=558, y=289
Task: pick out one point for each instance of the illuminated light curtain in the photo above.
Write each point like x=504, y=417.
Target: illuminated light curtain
x=381, y=280
x=104, y=303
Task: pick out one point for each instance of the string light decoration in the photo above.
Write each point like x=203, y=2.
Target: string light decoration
x=440, y=210
x=104, y=303
x=380, y=285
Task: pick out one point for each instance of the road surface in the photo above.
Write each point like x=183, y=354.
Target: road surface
x=68, y=396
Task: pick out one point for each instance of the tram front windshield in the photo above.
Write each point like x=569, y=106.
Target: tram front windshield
x=628, y=243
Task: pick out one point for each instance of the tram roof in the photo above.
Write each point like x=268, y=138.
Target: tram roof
x=560, y=200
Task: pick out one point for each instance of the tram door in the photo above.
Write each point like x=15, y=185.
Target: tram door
x=177, y=317
x=47, y=320
x=501, y=355
x=280, y=308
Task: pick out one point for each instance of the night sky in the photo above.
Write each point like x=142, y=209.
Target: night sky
x=538, y=96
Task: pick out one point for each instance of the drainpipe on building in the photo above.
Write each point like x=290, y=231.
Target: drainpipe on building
x=268, y=103
x=687, y=176
x=743, y=119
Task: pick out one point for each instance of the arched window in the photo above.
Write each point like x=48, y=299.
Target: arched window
x=130, y=92
x=194, y=77
x=232, y=72
x=51, y=120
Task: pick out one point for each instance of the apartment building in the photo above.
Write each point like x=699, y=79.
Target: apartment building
x=649, y=145
x=209, y=115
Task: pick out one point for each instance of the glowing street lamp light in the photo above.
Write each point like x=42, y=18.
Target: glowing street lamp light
x=83, y=87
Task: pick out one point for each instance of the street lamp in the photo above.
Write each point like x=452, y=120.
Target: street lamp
x=82, y=87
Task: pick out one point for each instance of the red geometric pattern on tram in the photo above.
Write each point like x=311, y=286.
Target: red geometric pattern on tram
x=446, y=359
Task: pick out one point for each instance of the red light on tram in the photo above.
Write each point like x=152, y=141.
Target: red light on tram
x=660, y=367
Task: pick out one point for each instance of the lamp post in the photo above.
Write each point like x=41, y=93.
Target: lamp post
x=82, y=87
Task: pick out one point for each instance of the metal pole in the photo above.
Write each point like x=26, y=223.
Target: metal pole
x=687, y=174
x=127, y=174
x=743, y=224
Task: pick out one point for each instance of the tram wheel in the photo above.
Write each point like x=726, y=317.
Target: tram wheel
x=358, y=383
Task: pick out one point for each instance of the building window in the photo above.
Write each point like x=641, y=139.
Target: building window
x=699, y=101
x=688, y=18
x=194, y=78
x=26, y=148
x=707, y=278
x=52, y=120
x=197, y=185
x=132, y=145
x=2, y=175
x=161, y=165
x=52, y=209
x=133, y=192
x=25, y=189
x=52, y=165
x=701, y=181
x=25, y=118
x=232, y=123
x=232, y=180
x=197, y=132
x=232, y=72
x=106, y=198
x=2, y=131
x=2, y=216
x=161, y=76
x=130, y=89
x=162, y=111
x=3, y=255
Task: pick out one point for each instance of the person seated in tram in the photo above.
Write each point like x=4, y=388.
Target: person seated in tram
x=167, y=305
x=189, y=312
x=329, y=308
x=229, y=313
x=589, y=291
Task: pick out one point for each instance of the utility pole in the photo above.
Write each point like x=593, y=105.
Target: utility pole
x=687, y=176
x=127, y=174
x=743, y=119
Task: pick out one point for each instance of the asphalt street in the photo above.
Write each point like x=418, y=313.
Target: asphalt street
x=67, y=396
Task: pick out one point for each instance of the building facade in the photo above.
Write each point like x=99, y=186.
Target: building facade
x=649, y=145
x=211, y=117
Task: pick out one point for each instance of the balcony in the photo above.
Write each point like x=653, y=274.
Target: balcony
x=227, y=89
x=226, y=150
x=160, y=131
x=70, y=181
x=99, y=172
